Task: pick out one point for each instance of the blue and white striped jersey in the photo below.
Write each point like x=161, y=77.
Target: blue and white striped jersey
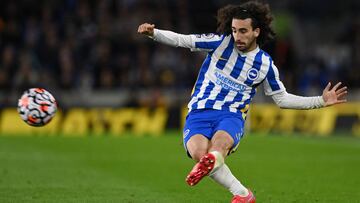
x=228, y=78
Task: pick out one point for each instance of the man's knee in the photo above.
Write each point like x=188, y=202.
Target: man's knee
x=196, y=154
x=197, y=147
x=222, y=142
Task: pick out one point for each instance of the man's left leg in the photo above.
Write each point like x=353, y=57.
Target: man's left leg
x=221, y=144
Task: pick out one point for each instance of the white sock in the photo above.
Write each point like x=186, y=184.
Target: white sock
x=219, y=160
x=224, y=177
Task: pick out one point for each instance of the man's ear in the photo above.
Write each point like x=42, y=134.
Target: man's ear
x=257, y=32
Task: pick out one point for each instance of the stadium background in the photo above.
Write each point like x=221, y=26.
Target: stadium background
x=88, y=54
x=112, y=82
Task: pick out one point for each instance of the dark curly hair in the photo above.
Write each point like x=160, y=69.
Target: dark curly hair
x=258, y=12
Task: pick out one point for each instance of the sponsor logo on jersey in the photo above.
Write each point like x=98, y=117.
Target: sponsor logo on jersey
x=229, y=84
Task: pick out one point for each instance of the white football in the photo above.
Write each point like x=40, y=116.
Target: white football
x=37, y=107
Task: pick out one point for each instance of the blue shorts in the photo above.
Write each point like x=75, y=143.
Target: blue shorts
x=208, y=121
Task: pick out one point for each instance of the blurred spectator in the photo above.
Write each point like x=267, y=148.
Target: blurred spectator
x=86, y=44
x=27, y=74
x=7, y=67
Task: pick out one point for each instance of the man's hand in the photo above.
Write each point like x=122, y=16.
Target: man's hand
x=334, y=95
x=146, y=29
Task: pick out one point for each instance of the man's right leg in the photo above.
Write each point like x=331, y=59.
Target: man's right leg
x=224, y=141
x=224, y=177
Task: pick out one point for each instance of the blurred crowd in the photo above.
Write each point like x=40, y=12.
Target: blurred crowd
x=90, y=45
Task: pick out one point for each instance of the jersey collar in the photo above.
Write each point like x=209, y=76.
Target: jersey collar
x=250, y=53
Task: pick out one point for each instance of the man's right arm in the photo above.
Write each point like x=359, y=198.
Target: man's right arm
x=193, y=42
x=173, y=39
x=166, y=37
x=146, y=29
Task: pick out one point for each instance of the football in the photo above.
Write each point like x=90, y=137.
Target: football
x=37, y=107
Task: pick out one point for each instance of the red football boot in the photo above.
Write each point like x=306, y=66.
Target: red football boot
x=201, y=169
x=250, y=198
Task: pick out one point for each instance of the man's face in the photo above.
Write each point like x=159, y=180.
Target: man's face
x=244, y=35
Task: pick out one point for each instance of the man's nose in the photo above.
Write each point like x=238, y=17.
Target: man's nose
x=237, y=37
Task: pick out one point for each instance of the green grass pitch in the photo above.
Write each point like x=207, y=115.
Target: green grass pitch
x=152, y=169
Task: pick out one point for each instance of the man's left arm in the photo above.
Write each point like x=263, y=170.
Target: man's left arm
x=330, y=96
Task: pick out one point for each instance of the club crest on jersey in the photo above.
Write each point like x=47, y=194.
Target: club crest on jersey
x=252, y=74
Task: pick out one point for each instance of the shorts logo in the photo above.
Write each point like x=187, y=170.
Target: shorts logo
x=238, y=136
x=252, y=74
x=186, y=132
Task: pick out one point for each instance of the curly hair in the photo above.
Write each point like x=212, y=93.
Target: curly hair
x=258, y=12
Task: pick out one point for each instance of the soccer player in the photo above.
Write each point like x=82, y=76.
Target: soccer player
x=234, y=67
